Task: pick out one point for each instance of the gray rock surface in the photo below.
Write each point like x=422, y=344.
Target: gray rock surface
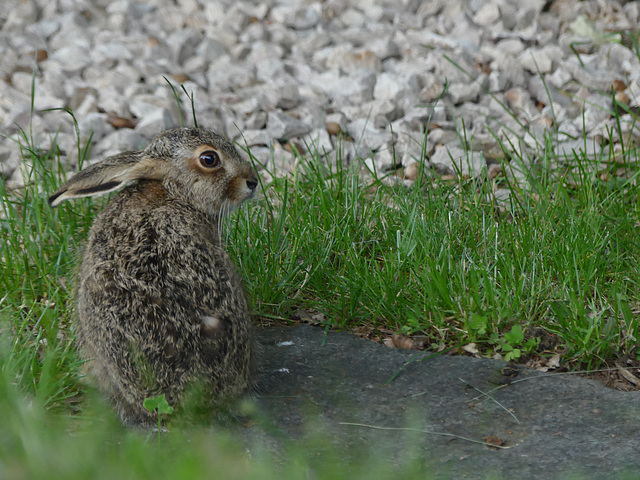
x=552, y=425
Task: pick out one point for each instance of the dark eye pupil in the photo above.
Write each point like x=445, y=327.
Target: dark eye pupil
x=209, y=159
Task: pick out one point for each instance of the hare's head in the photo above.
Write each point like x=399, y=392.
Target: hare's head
x=195, y=165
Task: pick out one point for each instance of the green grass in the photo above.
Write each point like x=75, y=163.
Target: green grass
x=442, y=259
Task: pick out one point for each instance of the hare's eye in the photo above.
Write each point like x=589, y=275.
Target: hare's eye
x=209, y=159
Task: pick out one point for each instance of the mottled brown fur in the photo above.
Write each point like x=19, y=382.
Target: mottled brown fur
x=160, y=305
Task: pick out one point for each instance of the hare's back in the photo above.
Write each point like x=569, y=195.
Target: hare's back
x=159, y=277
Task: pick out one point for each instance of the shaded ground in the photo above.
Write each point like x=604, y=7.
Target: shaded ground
x=550, y=425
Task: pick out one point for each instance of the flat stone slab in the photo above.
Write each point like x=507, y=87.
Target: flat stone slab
x=366, y=399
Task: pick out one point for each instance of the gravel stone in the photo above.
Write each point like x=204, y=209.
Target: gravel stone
x=467, y=92
x=318, y=141
x=94, y=123
x=510, y=46
x=535, y=61
x=388, y=87
x=283, y=126
x=252, y=138
x=297, y=17
x=367, y=136
x=286, y=71
x=8, y=163
x=353, y=62
x=451, y=160
x=487, y=15
x=381, y=162
x=120, y=141
x=159, y=120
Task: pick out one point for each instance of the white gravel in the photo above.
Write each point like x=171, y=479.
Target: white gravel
x=264, y=73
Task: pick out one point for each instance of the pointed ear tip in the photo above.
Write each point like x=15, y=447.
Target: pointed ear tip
x=54, y=200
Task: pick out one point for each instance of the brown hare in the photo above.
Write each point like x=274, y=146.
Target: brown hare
x=160, y=305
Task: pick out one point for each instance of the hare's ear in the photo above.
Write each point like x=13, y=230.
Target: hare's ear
x=109, y=175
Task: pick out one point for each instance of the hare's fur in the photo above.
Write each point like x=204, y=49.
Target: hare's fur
x=160, y=305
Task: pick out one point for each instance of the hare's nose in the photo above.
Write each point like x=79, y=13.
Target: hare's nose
x=252, y=183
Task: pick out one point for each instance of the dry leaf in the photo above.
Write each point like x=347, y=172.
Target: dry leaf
x=471, y=348
x=630, y=377
x=422, y=341
x=333, y=128
x=554, y=362
x=120, y=122
x=511, y=370
x=402, y=341
x=309, y=316
x=484, y=67
x=623, y=98
x=493, y=440
x=181, y=77
x=388, y=342
x=619, y=85
x=41, y=55
x=543, y=364
x=411, y=171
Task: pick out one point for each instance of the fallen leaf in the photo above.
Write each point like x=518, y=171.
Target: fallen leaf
x=630, y=377
x=554, y=362
x=402, y=341
x=622, y=98
x=333, y=128
x=120, y=122
x=484, y=67
x=618, y=85
x=310, y=316
x=510, y=370
x=181, y=77
x=493, y=441
x=41, y=55
x=422, y=341
x=471, y=348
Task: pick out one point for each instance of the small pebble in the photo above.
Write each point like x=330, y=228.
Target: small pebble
x=333, y=128
x=411, y=171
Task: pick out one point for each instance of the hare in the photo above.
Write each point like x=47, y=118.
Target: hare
x=160, y=306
